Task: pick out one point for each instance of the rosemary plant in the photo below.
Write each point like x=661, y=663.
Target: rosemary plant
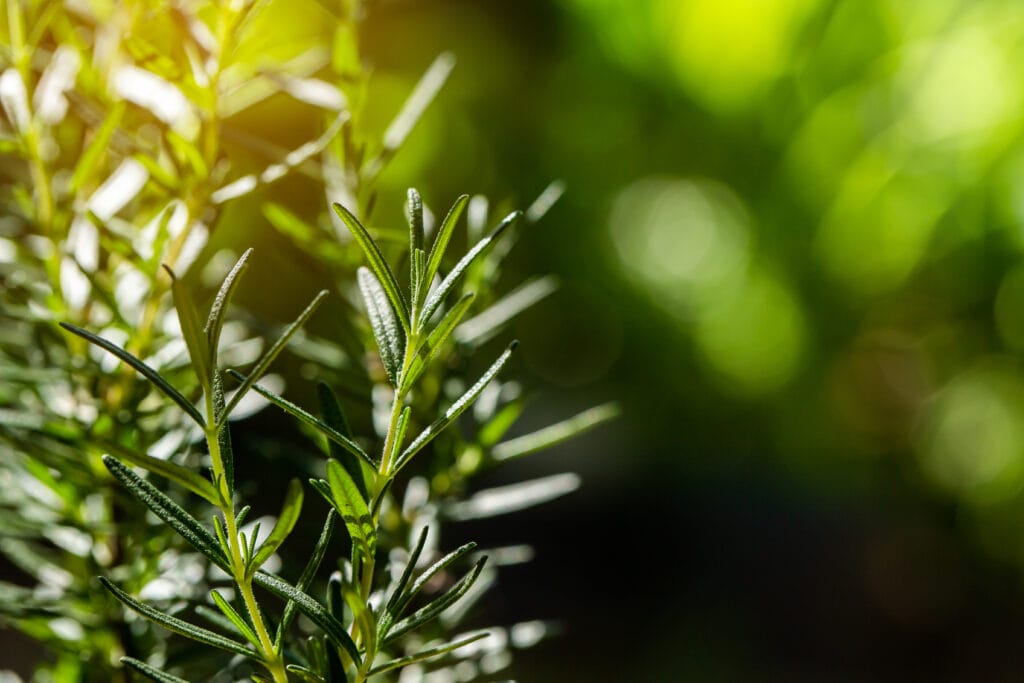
x=111, y=199
x=360, y=623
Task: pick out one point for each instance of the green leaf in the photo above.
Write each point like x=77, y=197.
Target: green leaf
x=378, y=265
x=362, y=616
x=288, y=223
x=444, y=234
x=500, y=423
x=149, y=373
x=227, y=453
x=150, y=672
x=398, y=606
x=235, y=618
x=386, y=329
x=305, y=674
x=430, y=653
x=312, y=609
x=437, y=296
x=285, y=523
x=350, y=504
x=438, y=605
x=176, y=473
x=414, y=214
x=419, y=99
x=491, y=320
x=390, y=610
x=177, y=625
x=166, y=509
x=455, y=410
x=215, y=321
x=98, y=146
x=430, y=349
x=399, y=438
x=198, y=352
x=314, y=422
x=306, y=578
x=334, y=416
x=554, y=434
x=263, y=363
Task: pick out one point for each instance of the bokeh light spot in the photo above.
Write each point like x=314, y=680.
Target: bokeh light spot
x=972, y=437
x=755, y=337
x=726, y=52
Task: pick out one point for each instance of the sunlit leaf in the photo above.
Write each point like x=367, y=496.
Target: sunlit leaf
x=423, y=655
x=377, y=264
x=555, y=434
x=285, y=523
x=195, y=340
x=215, y=321
x=456, y=409
x=436, y=606
x=444, y=235
x=437, y=296
x=235, y=618
x=264, y=362
x=386, y=328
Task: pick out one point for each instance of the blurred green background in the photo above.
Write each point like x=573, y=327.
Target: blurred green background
x=791, y=245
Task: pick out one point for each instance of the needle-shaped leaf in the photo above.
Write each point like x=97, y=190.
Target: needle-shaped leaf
x=414, y=214
x=151, y=672
x=149, y=373
x=554, y=434
x=195, y=341
x=183, y=476
x=335, y=418
x=306, y=578
x=349, y=502
x=378, y=265
x=169, y=511
x=399, y=438
x=491, y=320
x=333, y=628
x=215, y=321
x=429, y=653
x=177, y=625
x=235, y=618
x=436, y=606
x=413, y=590
x=309, y=419
x=437, y=296
x=305, y=674
x=403, y=581
x=426, y=354
x=285, y=523
x=455, y=410
x=444, y=235
x=264, y=362
x=227, y=453
x=386, y=328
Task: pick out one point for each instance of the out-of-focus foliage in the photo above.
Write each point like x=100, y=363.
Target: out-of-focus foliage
x=802, y=223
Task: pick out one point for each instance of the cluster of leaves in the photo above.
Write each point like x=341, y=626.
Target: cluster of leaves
x=411, y=331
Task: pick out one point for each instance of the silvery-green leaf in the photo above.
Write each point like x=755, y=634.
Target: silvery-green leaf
x=386, y=328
